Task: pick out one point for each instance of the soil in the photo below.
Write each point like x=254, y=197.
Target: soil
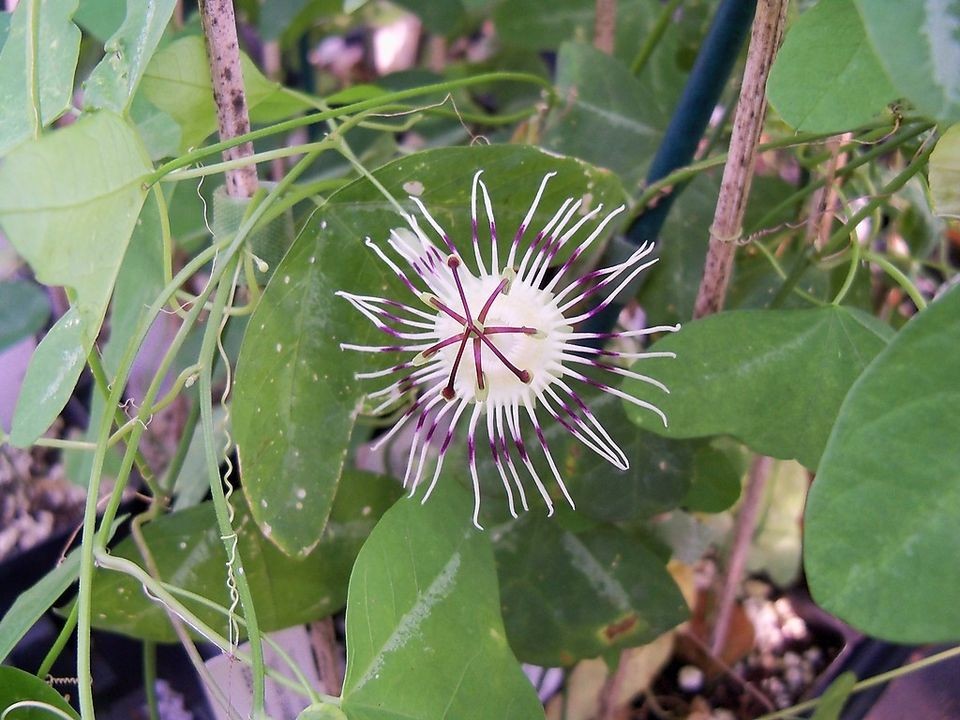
x=36, y=498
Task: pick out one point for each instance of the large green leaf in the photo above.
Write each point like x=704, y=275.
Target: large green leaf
x=18, y=686
x=31, y=604
x=827, y=77
x=36, y=68
x=568, y=596
x=126, y=54
x=882, y=525
x=177, y=81
x=918, y=44
x=296, y=400
x=189, y=553
x=24, y=310
x=604, y=110
x=658, y=478
x=68, y=203
x=424, y=635
x=771, y=378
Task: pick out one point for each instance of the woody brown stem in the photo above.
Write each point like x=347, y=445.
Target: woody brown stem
x=323, y=638
x=737, y=560
x=233, y=117
x=726, y=229
x=825, y=200
x=738, y=171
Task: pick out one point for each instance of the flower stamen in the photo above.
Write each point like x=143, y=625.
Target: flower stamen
x=478, y=363
x=448, y=392
x=435, y=302
x=434, y=349
x=522, y=375
x=501, y=288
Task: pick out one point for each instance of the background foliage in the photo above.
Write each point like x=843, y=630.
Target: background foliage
x=838, y=347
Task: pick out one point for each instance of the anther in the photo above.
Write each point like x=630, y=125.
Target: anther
x=448, y=393
x=509, y=274
x=453, y=261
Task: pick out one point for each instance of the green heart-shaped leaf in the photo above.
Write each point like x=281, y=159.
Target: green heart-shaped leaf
x=882, y=524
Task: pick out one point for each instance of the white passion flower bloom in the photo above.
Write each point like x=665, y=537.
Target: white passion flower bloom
x=497, y=346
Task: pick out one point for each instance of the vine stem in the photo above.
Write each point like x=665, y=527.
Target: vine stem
x=304, y=688
x=164, y=593
x=654, y=36
x=93, y=542
x=290, y=150
x=902, y=178
x=59, y=644
x=825, y=201
x=884, y=148
x=375, y=103
x=738, y=171
x=220, y=504
x=855, y=252
x=233, y=116
x=91, y=538
x=136, y=533
x=33, y=83
x=150, y=679
x=666, y=185
x=231, y=167
x=727, y=227
x=36, y=705
x=899, y=277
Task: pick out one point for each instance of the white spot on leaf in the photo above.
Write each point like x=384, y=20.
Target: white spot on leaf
x=413, y=187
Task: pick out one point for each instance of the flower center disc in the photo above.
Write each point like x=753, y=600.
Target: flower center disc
x=515, y=344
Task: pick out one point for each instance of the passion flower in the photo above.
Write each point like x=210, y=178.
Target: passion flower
x=496, y=346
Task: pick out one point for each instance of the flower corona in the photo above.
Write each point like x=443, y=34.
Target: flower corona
x=495, y=345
